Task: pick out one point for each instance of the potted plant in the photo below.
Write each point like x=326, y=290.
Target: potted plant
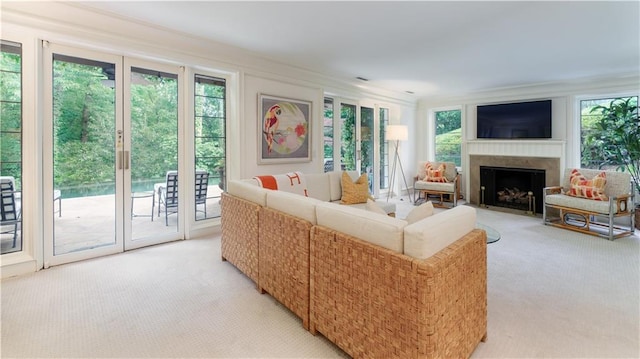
x=620, y=131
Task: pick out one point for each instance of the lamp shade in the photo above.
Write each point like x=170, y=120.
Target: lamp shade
x=397, y=133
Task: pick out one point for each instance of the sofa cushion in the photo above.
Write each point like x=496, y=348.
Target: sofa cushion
x=618, y=183
x=247, y=190
x=578, y=203
x=354, y=192
x=293, y=182
x=435, y=186
x=422, y=211
x=434, y=233
x=318, y=186
x=580, y=186
x=388, y=207
x=373, y=207
x=293, y=204
x=372, y=227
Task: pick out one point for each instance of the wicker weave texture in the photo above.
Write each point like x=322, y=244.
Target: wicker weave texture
x=374, y=303
x=284, y=260
x=240, y=234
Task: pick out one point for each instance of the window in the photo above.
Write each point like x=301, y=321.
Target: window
x=210, y=141
x=449, y=136
x=596, y=146
x=384, y=149
x=348, y=150
x=367, y=144
x=11, y=143
x=328, y=134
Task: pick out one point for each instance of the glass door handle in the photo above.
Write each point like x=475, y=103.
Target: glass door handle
x=123, y=160
x=126, y=160
x=119, y=159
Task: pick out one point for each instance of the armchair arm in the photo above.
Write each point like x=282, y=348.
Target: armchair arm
x=620, y=204
x=552, y=190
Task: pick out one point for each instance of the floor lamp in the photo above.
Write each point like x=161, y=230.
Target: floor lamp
x=397, y=133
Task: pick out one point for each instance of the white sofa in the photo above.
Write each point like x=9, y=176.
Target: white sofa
x=289, y=244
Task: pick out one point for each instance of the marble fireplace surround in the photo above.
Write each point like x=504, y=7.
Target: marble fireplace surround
x=550, y=165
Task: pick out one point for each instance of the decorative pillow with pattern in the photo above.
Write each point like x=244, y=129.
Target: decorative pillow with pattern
x=581, y=187
x=435, y=174
x=355, y=192
x=292, y=182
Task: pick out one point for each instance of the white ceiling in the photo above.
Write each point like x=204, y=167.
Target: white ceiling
x=427, y=47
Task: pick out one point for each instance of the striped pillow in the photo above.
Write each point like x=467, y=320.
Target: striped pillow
x=581, y=187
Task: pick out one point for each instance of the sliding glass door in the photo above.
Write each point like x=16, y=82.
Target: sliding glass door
x=111, y=139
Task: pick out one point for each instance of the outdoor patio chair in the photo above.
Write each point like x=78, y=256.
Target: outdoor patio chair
x=202, y=182
x=168, y=196
x=9, y=207
x=168, y=193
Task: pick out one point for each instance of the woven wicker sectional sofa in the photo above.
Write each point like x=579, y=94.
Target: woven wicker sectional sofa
x=374, y=285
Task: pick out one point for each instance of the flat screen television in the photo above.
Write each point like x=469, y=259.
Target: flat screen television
x=515, y=120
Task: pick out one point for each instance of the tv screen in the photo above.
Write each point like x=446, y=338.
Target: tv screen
x=515, y=120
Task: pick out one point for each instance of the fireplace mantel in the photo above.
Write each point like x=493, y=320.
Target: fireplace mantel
x=519, y=148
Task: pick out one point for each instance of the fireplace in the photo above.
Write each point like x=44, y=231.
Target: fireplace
x=515, y=188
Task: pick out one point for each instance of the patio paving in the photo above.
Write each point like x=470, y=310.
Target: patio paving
x=88, y=222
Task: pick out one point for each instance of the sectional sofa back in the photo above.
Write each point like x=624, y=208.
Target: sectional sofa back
x=419, y=240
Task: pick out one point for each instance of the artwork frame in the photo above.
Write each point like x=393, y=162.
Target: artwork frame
x=284, y=129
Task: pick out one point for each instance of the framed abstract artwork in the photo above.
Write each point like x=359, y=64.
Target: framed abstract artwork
x=283, y=130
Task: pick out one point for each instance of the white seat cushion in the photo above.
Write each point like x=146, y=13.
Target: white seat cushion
x=293, y=204
x=368, y=226
x=248, y=191
x=578, y=203
x=434, y=186
x=434, y=233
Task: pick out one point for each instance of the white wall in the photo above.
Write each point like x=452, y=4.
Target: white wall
x=68, y=24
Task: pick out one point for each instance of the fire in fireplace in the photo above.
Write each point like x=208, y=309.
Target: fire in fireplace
x=516, y=188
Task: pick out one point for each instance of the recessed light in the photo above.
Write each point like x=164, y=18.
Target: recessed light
x=410, y=92
x=362, y=78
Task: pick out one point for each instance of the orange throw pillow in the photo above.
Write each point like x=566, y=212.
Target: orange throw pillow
x=355, y=192
x=581, y=187
x=435, y=175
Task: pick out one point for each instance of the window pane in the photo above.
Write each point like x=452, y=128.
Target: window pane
x=11, y=146
x=328, y=134
x=210, y=143
x=449, y=136
x=598, y=147
x=348, y=150
x=366, y=137
x=384, y=149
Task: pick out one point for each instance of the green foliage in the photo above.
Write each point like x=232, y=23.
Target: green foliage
x=616, y=140
x=348, y=150
x=447, y=121
x=328, y=131
x=449, y=136
x=449, y=147
x=11, y=117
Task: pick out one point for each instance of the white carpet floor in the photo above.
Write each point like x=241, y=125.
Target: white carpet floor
x=552, y=293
